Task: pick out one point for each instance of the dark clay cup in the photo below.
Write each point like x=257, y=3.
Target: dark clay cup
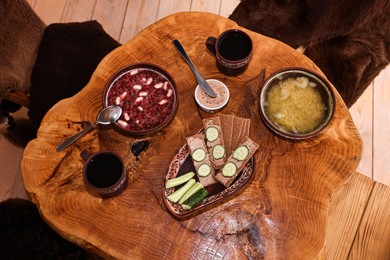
x=104, y=173
x=232, y=50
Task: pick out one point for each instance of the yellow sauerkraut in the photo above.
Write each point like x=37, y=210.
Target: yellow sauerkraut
x=295, y=105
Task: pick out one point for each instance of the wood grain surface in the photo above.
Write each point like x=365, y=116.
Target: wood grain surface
x=281, y=214
x=359, y=221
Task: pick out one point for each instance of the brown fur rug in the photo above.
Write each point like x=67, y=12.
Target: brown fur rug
x=349, y=40
x=20, y=34
x=68, y=55
x=24, y=235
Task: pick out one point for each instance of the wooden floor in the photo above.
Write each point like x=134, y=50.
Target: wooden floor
x=122, y=19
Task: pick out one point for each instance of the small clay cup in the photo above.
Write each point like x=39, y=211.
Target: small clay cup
x=104, y=173
x=232, y=50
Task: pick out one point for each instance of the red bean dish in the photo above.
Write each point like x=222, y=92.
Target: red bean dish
x=146, y=97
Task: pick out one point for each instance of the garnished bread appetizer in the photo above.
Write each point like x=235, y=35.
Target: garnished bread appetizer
x=201, y=159
x=214, y=141
x=236, y=162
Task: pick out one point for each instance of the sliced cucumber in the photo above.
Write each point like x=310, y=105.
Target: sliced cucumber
x=212, y=133
x=229, y=169
x=241, y=153
x=179, y=180
x=197, y=186
x=204, y=170
x=199, y=155
x=218, y=151
x=186, y=207
x=195, y=199
x=176, y=196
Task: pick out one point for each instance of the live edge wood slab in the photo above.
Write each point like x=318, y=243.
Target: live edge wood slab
x=281, y=214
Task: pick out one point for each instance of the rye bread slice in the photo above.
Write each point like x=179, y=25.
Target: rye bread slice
x=245, y=130
x=227, y=126
x=216, y=123
x=194, y=142
x=238, y=125
x=227, y=181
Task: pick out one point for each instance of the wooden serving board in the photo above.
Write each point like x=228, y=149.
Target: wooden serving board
x=281, y=214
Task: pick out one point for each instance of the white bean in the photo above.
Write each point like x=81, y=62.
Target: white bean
x=149, y=81
x=118, y=100
x=162, y=102
x=159, y=85
x=126, y=115
x=124, y=94
x=133, y=72
x=122, y=123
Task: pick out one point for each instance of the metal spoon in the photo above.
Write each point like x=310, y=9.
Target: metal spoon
x=106, y=116
x=202, y=83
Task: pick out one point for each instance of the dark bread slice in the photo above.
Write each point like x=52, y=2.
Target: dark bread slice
x=238, y=125
x=227, y=126
x=227, y=181
x=194, y=142
x=215, y=122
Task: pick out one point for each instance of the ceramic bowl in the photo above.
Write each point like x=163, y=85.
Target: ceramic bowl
x=296, y=103
x=209, y=104
x=147, y=95
x=181, y=163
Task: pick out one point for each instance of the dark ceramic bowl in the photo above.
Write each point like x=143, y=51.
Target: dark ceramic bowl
x=147, y=95
x=296, y=103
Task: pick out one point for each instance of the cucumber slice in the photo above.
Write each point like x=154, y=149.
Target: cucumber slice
x=218, y=152
x=175, y=197
x=197, y=186
x=186, y=207
x=199, y=155
x=195, y=199
x=204, y=170
x=229, y=169
x=241, y=153
x=179, y=180
x=212, y=134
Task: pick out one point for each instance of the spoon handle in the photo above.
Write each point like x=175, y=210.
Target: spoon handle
x=202, y=83
x=74, y=138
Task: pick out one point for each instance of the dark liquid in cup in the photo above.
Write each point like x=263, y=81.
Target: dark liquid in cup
x=104, y=170
x=234, y=46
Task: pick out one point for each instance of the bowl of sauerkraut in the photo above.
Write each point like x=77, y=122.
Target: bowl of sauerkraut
x=296, y=103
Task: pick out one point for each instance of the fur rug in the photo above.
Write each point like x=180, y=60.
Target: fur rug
x=67, y=56
x=20, y=34
x=24, y=235
x=349, y=40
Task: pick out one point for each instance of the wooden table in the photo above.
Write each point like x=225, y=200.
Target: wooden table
x=281, y=214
